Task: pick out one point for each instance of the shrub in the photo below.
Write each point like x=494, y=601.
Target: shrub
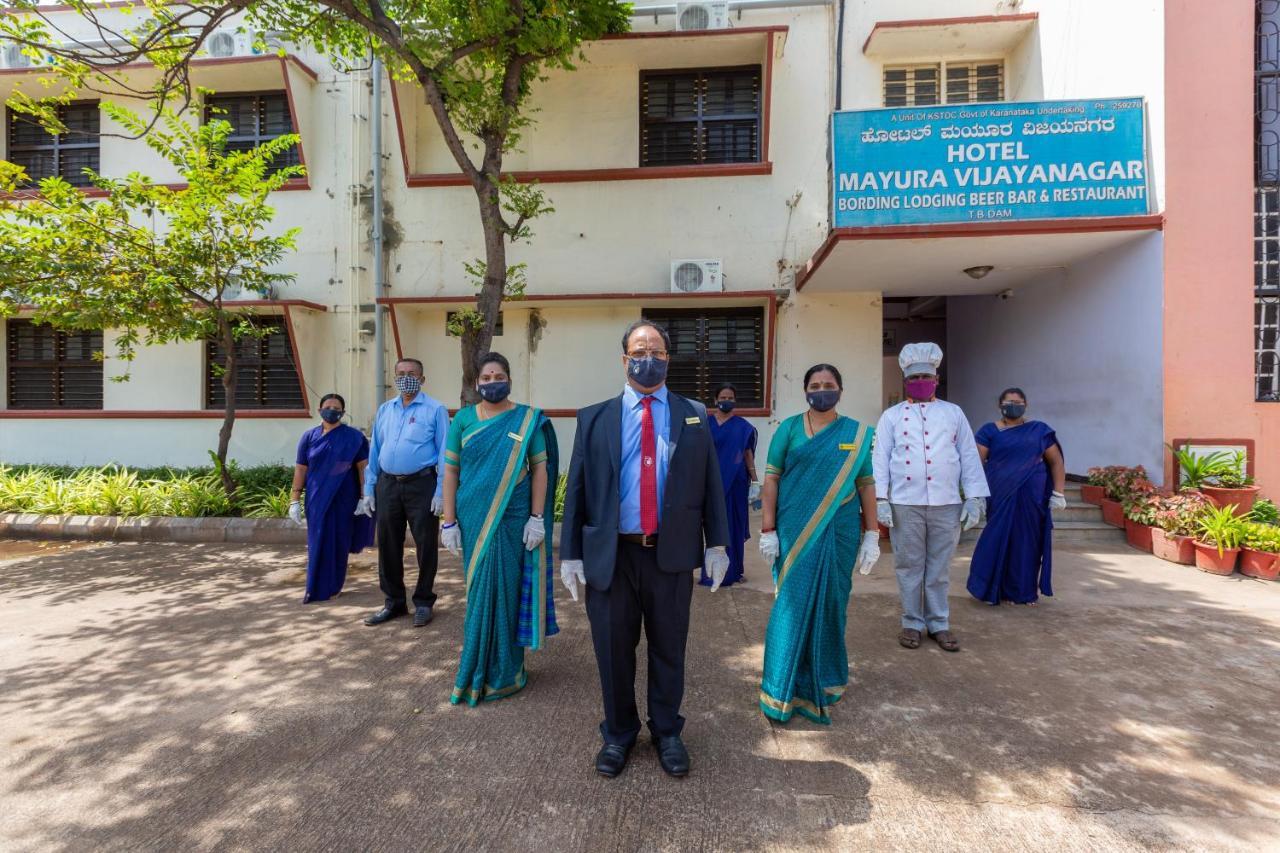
x=1262, y=537
x=1179, y=514
x=1143, y=504
x=1220, y=526
x=1264, y=511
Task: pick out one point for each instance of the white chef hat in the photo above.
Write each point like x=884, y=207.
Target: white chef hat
x=922, y=358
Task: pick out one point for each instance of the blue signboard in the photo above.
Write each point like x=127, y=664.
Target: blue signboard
x=983, y=162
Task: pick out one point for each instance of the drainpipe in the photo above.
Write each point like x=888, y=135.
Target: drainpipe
x=379, y=271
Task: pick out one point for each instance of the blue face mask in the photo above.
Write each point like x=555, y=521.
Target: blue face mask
x=331, y=416
x=495, y=392
x=725, y=406
x=1013, y=411
x=823, y=401
x=648, y=372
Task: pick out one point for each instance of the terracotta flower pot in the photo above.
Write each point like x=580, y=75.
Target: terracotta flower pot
x=1093, y=494
x=1259, y=564
x=1209, y=560
x=1172, y=547
x=1243, y=498
x=1138, y=535
x=1113, y=513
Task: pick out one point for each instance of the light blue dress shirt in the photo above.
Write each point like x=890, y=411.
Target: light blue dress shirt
x=629, y=485
x=407, y=439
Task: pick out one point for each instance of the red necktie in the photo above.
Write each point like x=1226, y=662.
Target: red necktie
x=648, y=470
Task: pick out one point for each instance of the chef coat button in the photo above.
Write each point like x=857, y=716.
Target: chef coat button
x=928, y=478
x=908, y=478
x=928, y=461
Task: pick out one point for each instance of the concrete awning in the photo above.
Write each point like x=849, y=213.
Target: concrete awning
x=978, y=37
x=911, y=260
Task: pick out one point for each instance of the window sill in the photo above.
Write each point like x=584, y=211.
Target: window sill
x=146, y=414
x=636, y=173
x=94, y=192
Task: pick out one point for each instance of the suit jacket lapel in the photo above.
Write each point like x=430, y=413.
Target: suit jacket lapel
x=612, y=425
x=676, y=408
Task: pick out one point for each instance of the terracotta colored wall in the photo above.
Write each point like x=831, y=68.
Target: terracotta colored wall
x=1208, y=318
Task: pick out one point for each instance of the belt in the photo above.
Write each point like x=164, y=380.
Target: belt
x=404, y=478
x=644, y=540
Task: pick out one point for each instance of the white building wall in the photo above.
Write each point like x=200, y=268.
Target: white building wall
x=1086, y=346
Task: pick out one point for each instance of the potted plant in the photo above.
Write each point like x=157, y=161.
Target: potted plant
x=1264, y=512
x=1218, y=540
x=1196, y=470
x=1120, y=483
x=1095, y=488
x=1230, y=484
x=1140, y=510
x=1177, y=523
x=1260, y=554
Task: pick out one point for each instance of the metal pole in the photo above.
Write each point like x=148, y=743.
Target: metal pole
x=379, y=272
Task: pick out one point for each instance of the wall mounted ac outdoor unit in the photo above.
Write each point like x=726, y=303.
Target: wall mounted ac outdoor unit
x=13, y=57
x=702, y=15
x=224, y=44
x=696, y=276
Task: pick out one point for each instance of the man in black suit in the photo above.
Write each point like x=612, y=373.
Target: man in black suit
x=643, y=502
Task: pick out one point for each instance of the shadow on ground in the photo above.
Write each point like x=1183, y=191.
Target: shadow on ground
x=157, y=696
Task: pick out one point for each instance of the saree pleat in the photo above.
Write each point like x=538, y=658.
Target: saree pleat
x=806, y=665
x=505, y=590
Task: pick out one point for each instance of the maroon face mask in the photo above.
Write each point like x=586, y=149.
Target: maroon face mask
x=921, y=389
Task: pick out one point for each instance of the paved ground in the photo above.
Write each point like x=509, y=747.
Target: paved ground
x=163, y=696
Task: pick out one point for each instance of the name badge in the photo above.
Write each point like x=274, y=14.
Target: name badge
x=849, y=446
x=693, y=420
x=516, y=437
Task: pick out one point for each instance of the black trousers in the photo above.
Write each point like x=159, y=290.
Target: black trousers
x=640, y=593
x=400, y=503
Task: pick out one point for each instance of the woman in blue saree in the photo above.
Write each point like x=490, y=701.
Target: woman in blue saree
x=500, y=460
x=1025, y=469
x=819, y=519
x=330, y=465
x=735, y=441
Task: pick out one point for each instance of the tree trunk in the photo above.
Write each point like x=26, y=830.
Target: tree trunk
x=477, y=341
x=230, y=362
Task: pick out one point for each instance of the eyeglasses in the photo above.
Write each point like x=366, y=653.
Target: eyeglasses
x=660, y=354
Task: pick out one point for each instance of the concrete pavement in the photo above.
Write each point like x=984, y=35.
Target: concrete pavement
x=160, y=696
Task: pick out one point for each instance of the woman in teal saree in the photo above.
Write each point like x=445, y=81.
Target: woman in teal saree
x=499, y=460
x=818, y=496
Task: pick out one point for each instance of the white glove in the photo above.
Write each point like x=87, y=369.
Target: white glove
x=534, y=532
x=451, y=539
x=365, y=507
x=753, y=492
x=1057, y=500
x=971, y=514
x=437, y=505
x=884, y=513
x=295, y=512
x=571, y=574
x=868, y=551
x=769, y=547
x=717, y=563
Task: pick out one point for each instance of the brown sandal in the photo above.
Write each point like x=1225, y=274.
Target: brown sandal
x=909, y=638
x=945, y=641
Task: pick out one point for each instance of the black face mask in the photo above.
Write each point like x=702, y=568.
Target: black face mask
x=725, y=406
x=495, y=392
x=823, y=401
x=331, y=416
x=1013, y=411
x=648, y=372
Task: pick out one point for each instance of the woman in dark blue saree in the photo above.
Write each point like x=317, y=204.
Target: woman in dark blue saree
x=330, y=463
x=1025, y=469
x=735, y=441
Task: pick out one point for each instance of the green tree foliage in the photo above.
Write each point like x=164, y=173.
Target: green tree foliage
x=475, y=60
x=151, y=261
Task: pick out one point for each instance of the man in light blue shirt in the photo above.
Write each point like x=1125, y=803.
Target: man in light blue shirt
x=632, y=420
x=409, y=434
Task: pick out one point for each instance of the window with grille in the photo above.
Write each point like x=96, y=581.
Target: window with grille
x=1266, y=215
x=48, y=369
x=714, y=345
x=255, y=119
x=266, y=375
x=943, y=83
x=65, y=155
x=702, y=116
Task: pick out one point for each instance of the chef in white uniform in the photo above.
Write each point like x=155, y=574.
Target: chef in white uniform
x=924, y=454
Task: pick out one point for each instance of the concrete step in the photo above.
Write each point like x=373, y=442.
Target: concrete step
x=1068, y=532
x=1077, y=511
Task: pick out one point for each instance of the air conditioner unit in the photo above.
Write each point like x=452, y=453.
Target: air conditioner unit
x=224, y=44
x=696, y=276
x=704, y=15
x=12, y=57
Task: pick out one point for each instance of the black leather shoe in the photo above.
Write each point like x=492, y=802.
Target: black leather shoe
x=672, y=755
x=611, y=759
x=421, y=616
x=386, y=614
